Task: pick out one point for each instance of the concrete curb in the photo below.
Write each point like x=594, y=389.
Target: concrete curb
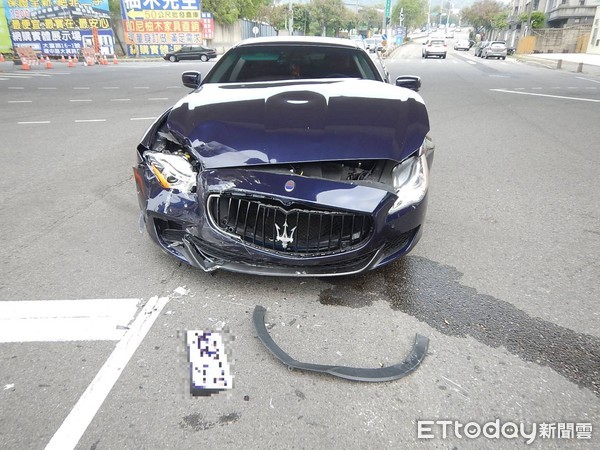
x=569, y=62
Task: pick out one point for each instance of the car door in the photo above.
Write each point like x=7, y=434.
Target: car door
x=187, y=53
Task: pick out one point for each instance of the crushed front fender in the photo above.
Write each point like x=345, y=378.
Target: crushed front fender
x=389, y=373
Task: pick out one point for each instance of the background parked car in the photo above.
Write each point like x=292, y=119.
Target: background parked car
x=191, y=52
x=434, y=47
x=495, y=49
x=479, y=47
x=462, y=44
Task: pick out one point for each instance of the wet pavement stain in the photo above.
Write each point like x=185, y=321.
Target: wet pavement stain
x=432, y=293
x=350, y=293
x=198, y=423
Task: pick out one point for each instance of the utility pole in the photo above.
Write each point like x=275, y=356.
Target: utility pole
x=290, y=18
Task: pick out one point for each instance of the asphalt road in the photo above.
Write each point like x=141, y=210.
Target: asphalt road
x=504, y=281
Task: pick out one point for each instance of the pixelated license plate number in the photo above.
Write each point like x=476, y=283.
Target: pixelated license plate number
x=209, y=362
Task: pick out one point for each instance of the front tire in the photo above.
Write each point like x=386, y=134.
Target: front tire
x=173, y=58
x=203, y=58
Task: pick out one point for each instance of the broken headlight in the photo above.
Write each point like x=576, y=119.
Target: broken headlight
x=410, y=179
x=173, y=171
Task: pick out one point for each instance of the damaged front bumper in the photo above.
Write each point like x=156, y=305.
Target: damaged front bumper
x=410, y=363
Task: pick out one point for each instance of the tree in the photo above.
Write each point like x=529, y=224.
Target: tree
x=369, y=18
x=500, y=21
x=227, y=12
x=415, y=12
x=482, y=14
x=328, y=14
x=537, y=18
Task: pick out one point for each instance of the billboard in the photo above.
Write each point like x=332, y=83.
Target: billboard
x=156, y=27
x=60, y=27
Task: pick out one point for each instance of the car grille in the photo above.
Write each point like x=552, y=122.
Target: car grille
x=296, y=230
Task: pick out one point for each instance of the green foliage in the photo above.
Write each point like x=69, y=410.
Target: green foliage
x=329, y=15
x=538, y=19
x=500, y=21
x=227, y=12
x=483, y=13
x=369, y=18
x=415, y=12
x=301, y=17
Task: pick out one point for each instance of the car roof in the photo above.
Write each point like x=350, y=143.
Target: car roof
x=298, y=40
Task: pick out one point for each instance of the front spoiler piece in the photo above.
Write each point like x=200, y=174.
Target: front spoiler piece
x=389, y=373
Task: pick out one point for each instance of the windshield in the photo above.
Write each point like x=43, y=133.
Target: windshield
x=284, y=62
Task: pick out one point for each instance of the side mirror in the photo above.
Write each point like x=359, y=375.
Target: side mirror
x=191, y=79
x=409, y=81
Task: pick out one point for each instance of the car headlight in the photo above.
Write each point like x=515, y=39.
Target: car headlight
x=172, y=171
x=410, y=180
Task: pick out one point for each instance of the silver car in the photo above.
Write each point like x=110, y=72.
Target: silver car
x=495, y=49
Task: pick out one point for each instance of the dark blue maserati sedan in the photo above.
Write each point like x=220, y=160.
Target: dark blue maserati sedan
x=292, y=156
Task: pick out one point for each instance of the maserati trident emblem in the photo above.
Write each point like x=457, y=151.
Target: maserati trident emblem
x=283, y=237
x=289, y=186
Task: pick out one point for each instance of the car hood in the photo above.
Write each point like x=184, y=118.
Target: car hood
x=232, y=125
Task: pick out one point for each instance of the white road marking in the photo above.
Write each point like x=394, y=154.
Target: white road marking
x=46, y=88
x=158, y=98
x=120, y=99
x=81, y=100
x=66, y=320
x=33, y=122
x=71, y=430
x=81, y=88
x=588, y=79
x=174, y=87
x=471, y=62
x=90, y=120
x=141, y=87
x=143, y=118
x=111, y=87
x=549, y=96
x=19, y=101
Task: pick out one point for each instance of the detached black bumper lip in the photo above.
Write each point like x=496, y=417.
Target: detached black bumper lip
x=407, y=366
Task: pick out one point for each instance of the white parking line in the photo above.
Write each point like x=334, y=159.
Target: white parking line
x=120, y=99
x=549, y=96
x=141, y=87
x=46, y=88
x=81, y=100
x=89, y=120
x=65, y=320
x=19, y=101
x=158, y=98
x=81, y=88
x=71, y=430
x=34, y=122
x=111, y=87
x=143, y=118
